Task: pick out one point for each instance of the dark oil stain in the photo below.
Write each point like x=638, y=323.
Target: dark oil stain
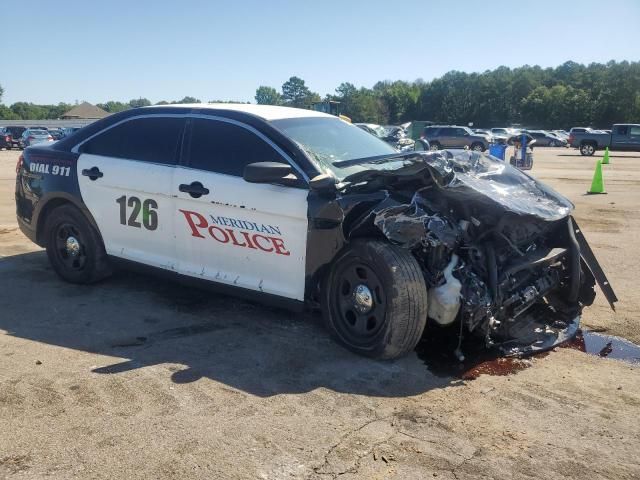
x=436, y=350
x=602, y=345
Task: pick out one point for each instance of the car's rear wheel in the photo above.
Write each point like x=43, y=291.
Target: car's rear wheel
x=477, y=147
x=74, y=247
x=587, y=149
x=374, y=299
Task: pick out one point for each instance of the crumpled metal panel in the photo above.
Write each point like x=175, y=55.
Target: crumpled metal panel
x=475, y=177
x=409, y=226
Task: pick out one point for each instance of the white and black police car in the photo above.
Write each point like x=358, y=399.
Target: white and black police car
x=300, y=208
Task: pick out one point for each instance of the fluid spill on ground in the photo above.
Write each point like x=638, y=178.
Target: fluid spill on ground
x=603, y=345
x=437, y=348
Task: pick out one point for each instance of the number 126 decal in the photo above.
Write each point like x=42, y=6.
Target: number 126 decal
x=149, y=213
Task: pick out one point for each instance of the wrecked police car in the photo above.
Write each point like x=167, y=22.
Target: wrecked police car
x=300, y=208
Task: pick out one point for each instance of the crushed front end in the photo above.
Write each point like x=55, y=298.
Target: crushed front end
x=498, y=249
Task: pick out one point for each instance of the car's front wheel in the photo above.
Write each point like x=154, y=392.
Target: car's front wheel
x=374, y=299
x=433, y=146
x=74, y=247
x=552, y=143
x=587, y=149
x=477, y=147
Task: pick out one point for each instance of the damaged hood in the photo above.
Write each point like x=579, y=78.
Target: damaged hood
x=482, y=180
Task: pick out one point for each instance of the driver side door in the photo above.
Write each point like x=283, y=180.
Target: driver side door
x=233, y=232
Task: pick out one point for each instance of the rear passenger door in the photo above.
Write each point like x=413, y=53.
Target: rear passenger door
x=233, y=232
x=125, y=175
x=446, y=138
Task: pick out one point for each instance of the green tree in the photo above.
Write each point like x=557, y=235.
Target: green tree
x=188, y=100
x=29, y=111
x=268, y=96
x=296, y=94
x=7, y=114
x=113, y=106
x=140, y=102
x=1, y=92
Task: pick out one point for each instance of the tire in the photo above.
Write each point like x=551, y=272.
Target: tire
x=587, y=149
x=552, y=143
x=477, y=147
x=398, y=301
x=433, y=146
x=74, y=248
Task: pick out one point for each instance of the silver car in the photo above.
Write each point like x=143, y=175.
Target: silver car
x=32, y=136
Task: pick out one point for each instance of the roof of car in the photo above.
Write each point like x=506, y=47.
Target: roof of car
x=267, y=112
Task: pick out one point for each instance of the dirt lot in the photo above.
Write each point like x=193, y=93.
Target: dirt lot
x=138, y=378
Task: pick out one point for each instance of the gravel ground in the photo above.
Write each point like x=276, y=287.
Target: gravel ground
x=139, y=378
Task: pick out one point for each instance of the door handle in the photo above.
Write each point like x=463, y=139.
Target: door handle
x=195, y=189
x=93, y=173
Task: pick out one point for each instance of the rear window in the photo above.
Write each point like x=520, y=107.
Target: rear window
x=153, y=139
x=15, y=131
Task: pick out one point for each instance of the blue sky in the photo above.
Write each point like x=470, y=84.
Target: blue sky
x=163, y=50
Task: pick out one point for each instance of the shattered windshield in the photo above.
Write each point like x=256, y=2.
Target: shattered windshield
x=331, y=140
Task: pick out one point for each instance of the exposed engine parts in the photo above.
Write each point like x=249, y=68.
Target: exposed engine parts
x=495, y=247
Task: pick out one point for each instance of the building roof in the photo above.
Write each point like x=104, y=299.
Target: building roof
x=267, y=112
x=85, y=110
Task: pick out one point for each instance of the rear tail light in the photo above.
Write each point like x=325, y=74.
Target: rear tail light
x=50, y=138
x=7, y=138
x=31, y=138
x=20, y=163
x=570, y=138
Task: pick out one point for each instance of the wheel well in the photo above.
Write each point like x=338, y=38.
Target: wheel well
x=49, y=207
x=588, y=142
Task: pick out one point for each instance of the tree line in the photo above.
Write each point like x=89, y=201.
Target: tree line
x=571, y=94
x=32, y=111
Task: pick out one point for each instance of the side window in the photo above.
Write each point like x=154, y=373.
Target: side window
x=151, y=139
x=634, y=131
x=223, y=147
x=622, y=129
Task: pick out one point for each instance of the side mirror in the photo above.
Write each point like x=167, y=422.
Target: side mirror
x=323, y=183
x=267, y=172
x=421, y=145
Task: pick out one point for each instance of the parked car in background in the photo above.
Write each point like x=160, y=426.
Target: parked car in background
x=396, y=138
x=623, y=137
x=10, y=136
x=33, y=136
x=453, y=136
x=561, y=134
x=504, y=131
x=546, y=139
x=70, y=131
x=56, y=133
x=581, y=130
x=5, y=139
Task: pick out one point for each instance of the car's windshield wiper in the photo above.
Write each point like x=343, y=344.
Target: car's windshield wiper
x=374, y=159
